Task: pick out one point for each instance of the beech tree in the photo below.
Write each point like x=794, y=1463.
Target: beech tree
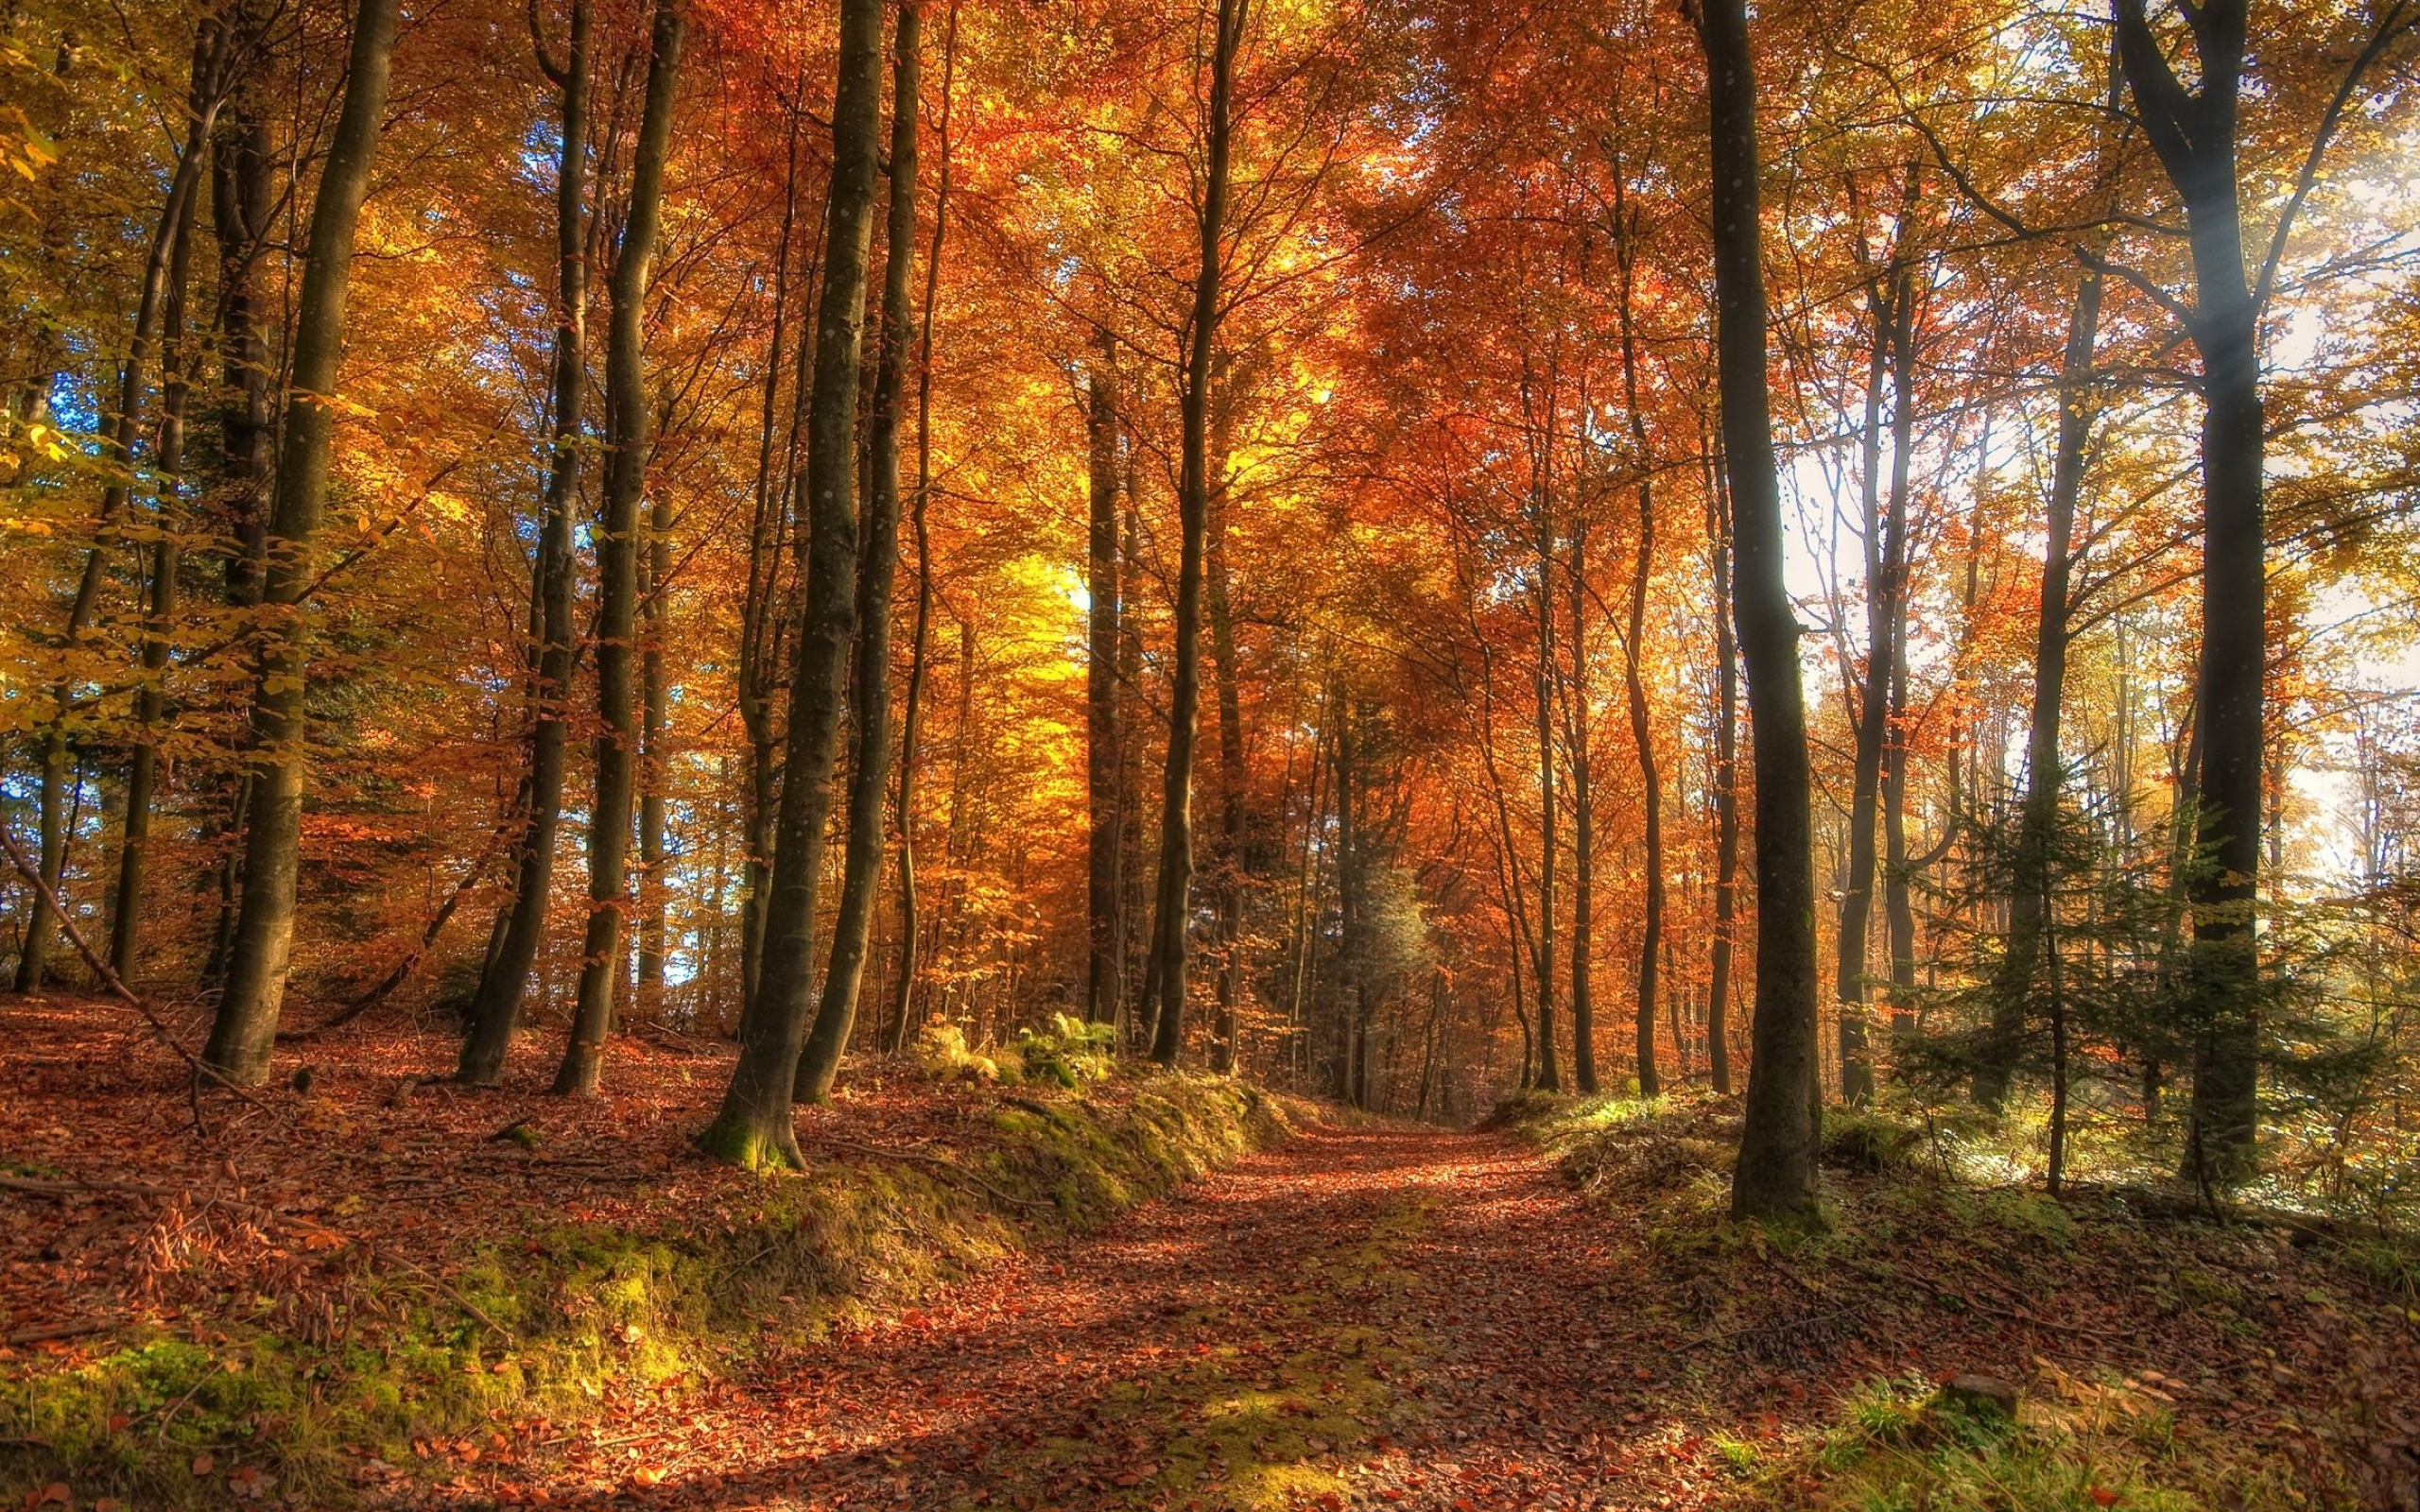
x=244, y=1029
x=755, y=1127
x=1775, y=1177
x=619, y=541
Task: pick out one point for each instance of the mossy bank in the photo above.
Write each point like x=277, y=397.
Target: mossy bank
x=418, y=1371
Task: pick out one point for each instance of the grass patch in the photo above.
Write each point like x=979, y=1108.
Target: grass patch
x=2075, y=1444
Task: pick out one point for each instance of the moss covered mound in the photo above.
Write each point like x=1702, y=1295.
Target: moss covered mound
x=419, y=1367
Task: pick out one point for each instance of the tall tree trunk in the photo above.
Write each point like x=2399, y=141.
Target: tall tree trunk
x=244, y=203
x=2194, y=134
x=2039, y=808
x=1223, y=1046
x=921, y=638
x=495, y=1008
x=618, y=540
x=1726, y=778
x=1891, y=299
x=763, y=625
x=245, y=1028
x=869, y=778
x=1140, y=994
x=755, y=1127
x=1777, y=1174
x=1193, y=507
x=655, y=596
x=1104, y=974
x=160, y=606
x=1542, y=493
x=1651, y=944
x=1584, y=821
x=1899, y=902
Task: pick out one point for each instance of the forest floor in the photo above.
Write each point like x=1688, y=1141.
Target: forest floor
x=1363, y=1314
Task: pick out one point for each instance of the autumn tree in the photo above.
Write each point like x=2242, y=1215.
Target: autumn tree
x=244, y=1030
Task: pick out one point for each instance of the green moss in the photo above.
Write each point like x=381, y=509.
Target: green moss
x=2075, y=1446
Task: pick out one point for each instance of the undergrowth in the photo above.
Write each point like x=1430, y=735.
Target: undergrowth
x=413, y=1374
x=2142, y=1332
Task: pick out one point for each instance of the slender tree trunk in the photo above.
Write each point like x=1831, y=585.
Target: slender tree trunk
x=618, y=540
x=869, y=779
x=755, y=1127
x=1891, y=302
x=1223, y=1046
x=2194, y=134
x=244, y=200
x=2038, y=809
x=1141, y=994
x=920, y=646
x=1726, y=780
x=1104, y=886
x=1898, y=904
x=1651, y=946
x=245, y=1028
x=160, y=606
x=1193, y=507
x=654, y=767
x=1776, y=1171
x=762, y=638
x=496, y=1010
x=1549, y=1073
x=1584, y=824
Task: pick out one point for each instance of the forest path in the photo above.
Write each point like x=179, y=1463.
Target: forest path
x=1358, y=1318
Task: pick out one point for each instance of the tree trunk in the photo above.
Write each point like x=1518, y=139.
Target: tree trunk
x=1651, y=946
x=1777, y=1172
x=245, y=1027
x=1193, y=507
x=2194, y=133
x=1727, y=779
x=755, y=1127
x=619, y=534
x=1584, y=821
x=920, y=645
x=2038, y=809
x=160, y=608
x=869, y=778
x=1890, y=299
x=655, y=769
x=1104, y=971
x=496, y=1010
x=1223, y=1046
x=1549, y=1073
x=243, y=205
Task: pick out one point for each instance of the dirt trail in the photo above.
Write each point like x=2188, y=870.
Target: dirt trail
x=1365, y=1317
